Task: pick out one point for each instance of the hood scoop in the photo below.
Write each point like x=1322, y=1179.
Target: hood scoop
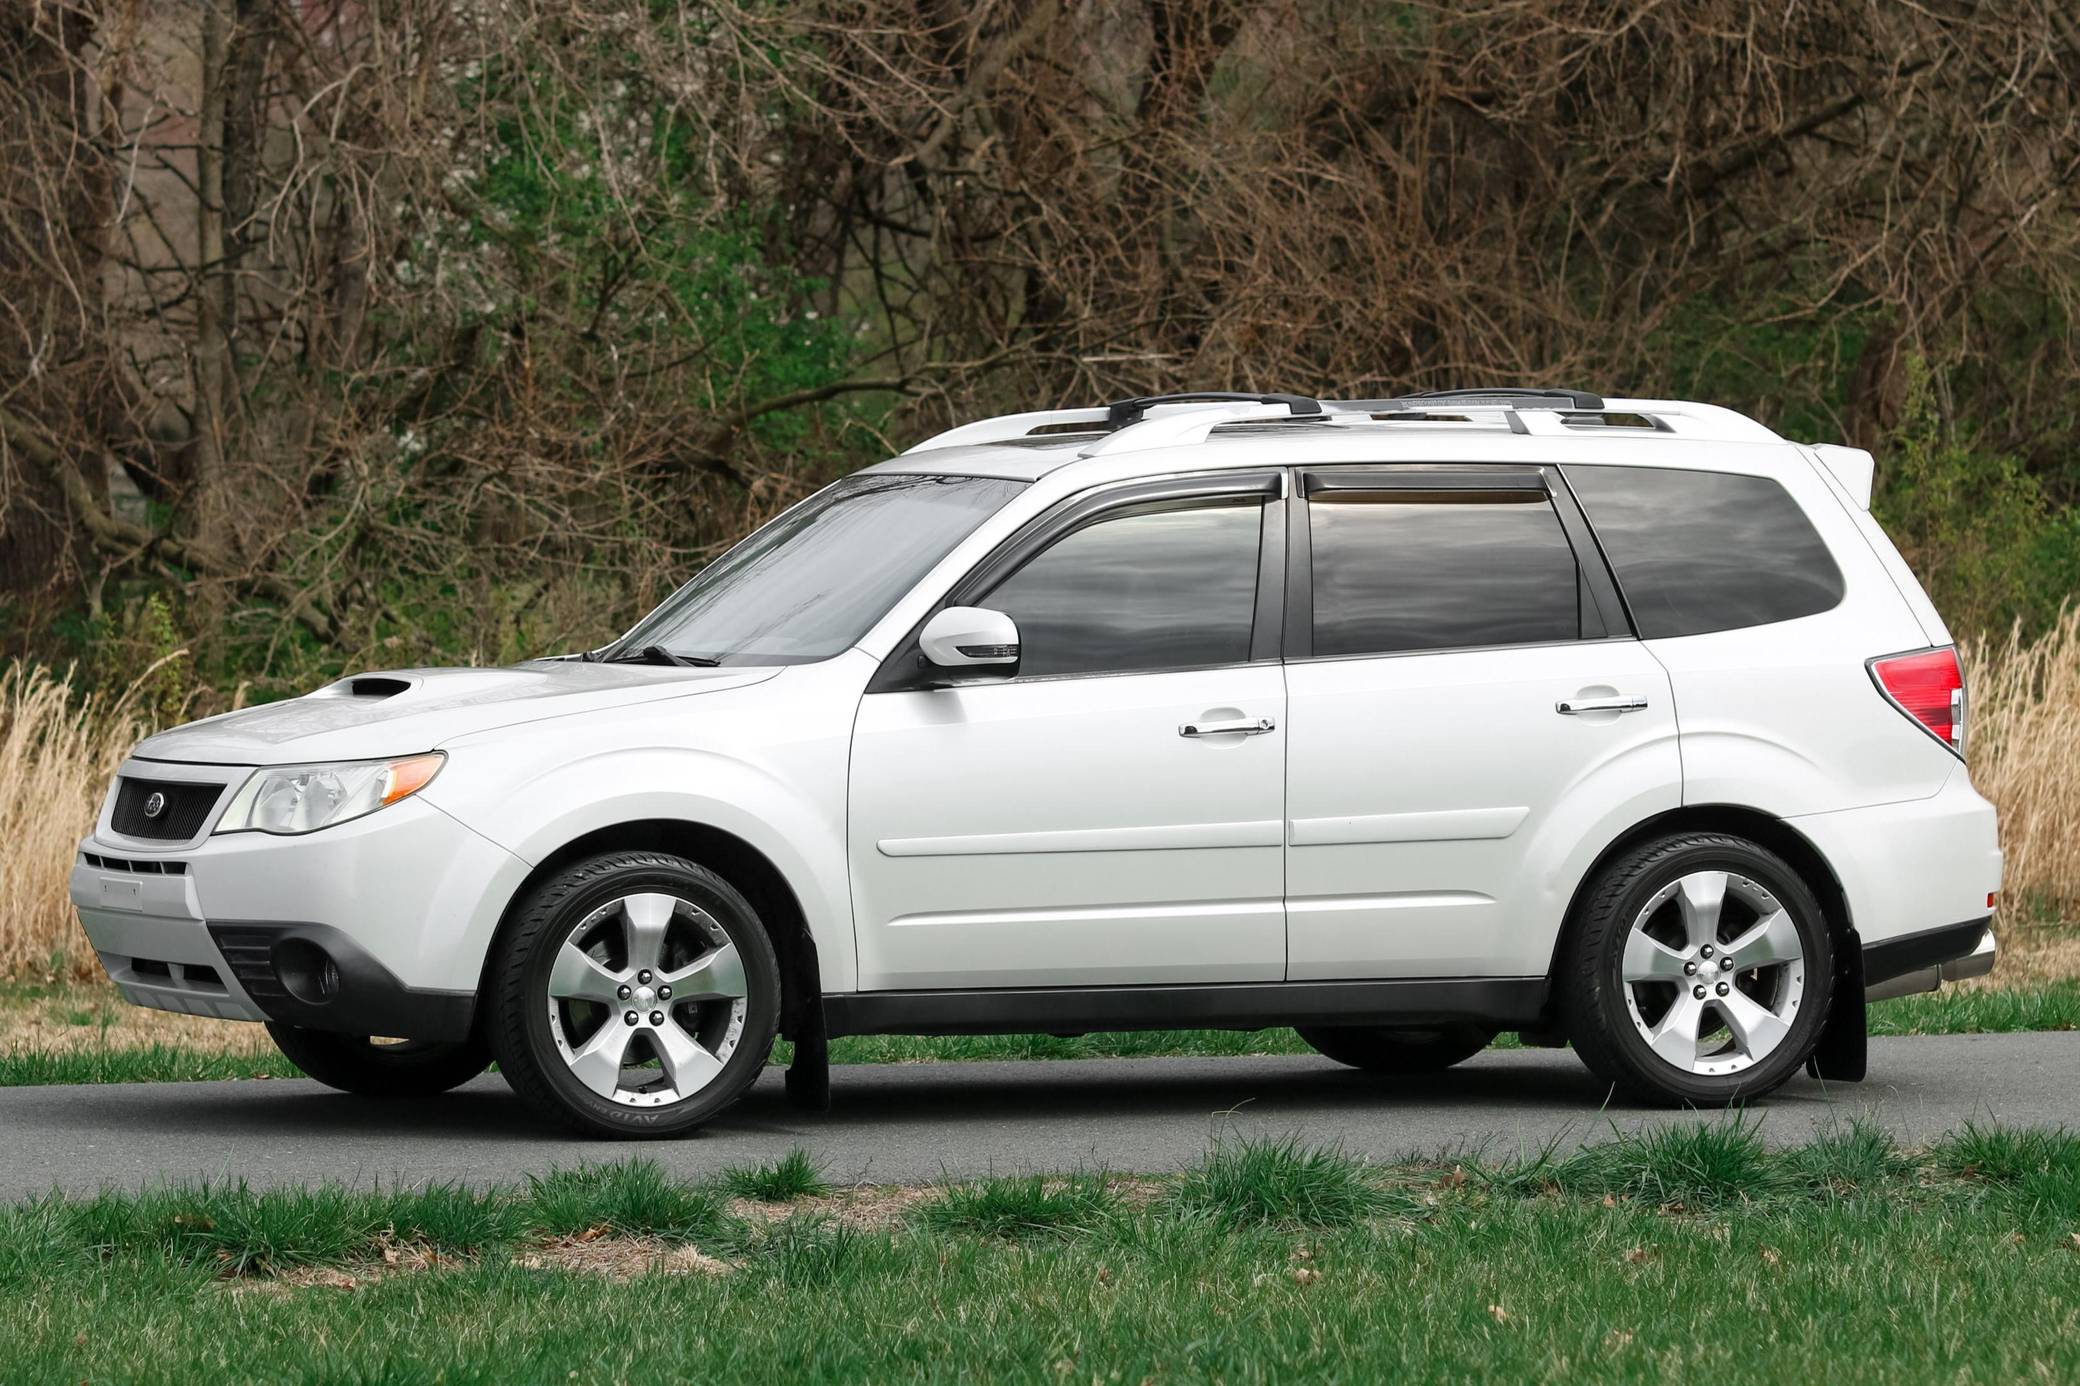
x=372, y=687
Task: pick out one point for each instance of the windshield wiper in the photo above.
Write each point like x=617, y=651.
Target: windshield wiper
x=658, y=654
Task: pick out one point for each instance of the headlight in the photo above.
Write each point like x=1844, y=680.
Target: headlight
x=291, y=799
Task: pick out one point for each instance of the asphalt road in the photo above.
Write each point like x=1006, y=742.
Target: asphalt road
x=915, y=1122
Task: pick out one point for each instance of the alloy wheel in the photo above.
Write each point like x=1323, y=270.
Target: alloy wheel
x=1714, y=972
x=647, y=1000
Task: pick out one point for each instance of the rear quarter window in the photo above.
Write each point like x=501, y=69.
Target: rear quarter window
x=1699, y=551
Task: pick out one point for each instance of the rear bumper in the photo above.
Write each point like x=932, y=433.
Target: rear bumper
x=1922, y=962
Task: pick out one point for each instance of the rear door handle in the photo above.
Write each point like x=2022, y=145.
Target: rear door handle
x=1569, y=707
x=1244, y=726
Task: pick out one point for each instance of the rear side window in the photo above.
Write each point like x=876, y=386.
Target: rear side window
x=1165, y=588
x=1401, y=570
x=1704, y=551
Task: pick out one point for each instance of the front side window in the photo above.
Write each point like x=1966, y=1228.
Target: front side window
x=808, y=584
x=1162, y=588
x=1701, y=551
x=1404, y=570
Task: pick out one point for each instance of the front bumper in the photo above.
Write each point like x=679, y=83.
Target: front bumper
x=377, y=926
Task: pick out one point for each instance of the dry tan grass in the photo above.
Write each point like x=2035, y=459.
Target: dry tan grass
x=2025, y=755
x=76, y=1016
x=58, y=752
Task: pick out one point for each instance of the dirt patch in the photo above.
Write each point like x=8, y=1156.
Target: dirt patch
x=620, y=1258
x=868, y=1207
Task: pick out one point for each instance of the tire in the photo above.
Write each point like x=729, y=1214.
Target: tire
x=1377, y=1049
x=357, y=1064
x=1651, y=914
x=641, y=926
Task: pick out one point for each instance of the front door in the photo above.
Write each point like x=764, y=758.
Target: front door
x=1467, y=718
x=1113, y=815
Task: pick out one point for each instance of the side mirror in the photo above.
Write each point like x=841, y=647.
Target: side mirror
x=971, y=641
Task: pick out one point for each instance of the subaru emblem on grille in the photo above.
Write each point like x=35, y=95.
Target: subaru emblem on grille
x=155, y=805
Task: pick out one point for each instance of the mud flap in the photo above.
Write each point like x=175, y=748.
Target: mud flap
x=809, y=1076
x=802, y=1021
x=1843, y=1053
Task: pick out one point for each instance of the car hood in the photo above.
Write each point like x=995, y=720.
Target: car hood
x=400, y=711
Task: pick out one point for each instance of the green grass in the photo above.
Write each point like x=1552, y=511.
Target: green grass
x=1027, y=1206
x=632, y=1197
x=1277, y=1182
x=1693, y=1255
x=792, y=1176
x=2054, y=1006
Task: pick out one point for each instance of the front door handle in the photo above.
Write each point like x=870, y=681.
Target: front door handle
x=1569, y=707
x=1244, y=726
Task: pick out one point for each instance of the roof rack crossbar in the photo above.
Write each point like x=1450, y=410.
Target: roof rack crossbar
x=1502, y=397
x=1123, y=412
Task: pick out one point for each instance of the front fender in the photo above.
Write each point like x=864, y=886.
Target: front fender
x=534, y=813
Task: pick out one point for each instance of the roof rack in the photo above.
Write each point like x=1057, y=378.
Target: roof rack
x=1217, y=406
x=1154, y=421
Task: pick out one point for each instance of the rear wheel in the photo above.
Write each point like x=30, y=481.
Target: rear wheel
x=635, y=994
x=1699, y=973
x=1379, y=1050
x=381, y=1068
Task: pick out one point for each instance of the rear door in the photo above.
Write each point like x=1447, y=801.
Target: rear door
x=1470, y=718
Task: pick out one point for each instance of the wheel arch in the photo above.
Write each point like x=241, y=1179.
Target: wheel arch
x=1764, y=829
x=739, y=862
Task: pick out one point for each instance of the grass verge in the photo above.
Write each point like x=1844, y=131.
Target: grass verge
x=1697, y=1251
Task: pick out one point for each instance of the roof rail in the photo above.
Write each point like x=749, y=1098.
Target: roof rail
x=1186, y=426
x=1506, y=397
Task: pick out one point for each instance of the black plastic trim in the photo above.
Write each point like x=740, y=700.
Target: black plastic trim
x=1504, y=1002
x=1896, y=957
x=1514, y=395
x=371, y=999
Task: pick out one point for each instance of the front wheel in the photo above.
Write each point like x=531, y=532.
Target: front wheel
x=1380, y=1050
x=381, y=1068
x=635, y=994
x=1699, y=973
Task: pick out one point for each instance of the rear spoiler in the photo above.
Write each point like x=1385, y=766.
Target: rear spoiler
x=1852, y=467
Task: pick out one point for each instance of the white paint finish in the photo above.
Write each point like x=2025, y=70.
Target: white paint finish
x=1153, y=837
x=1099, y=759
x=1444, y=825
x=1915, y=865
x=1468, y=740
x=1785, y=717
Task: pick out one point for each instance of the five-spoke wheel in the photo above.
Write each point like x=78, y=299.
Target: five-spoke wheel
x=634, y=994
x=1698, y=971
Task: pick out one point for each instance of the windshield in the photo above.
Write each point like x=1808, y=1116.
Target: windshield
x=810, y=583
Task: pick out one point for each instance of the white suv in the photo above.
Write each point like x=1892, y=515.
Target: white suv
x=1404, y=722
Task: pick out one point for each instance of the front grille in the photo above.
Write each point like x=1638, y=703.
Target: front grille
x=186, y=808
x=142, y=868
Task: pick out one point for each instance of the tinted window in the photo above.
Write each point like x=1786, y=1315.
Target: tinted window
x=1153, y=589
x=1703, y=551
x=1439, y=570
x=808, y=584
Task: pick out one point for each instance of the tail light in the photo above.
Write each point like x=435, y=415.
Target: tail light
x=1928, y=686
